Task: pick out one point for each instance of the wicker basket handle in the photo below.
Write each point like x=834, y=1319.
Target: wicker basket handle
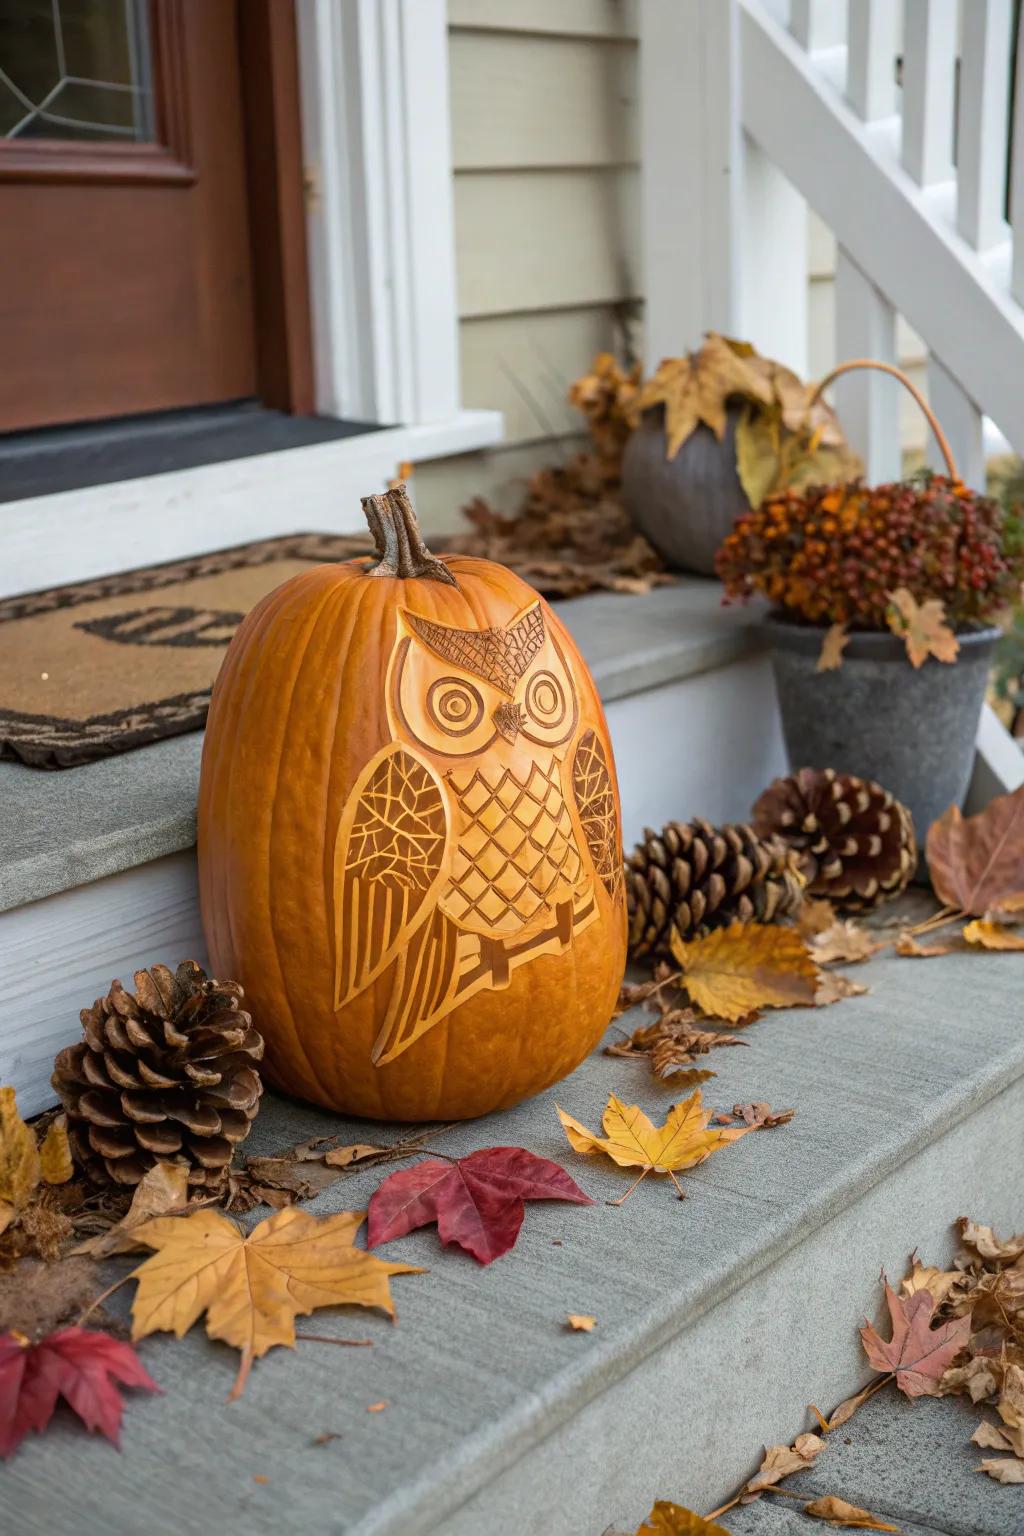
x=897, y=373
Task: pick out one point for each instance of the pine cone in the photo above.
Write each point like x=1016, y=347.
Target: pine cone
x=163, y=1075
x=692, y=877
x=854, y=841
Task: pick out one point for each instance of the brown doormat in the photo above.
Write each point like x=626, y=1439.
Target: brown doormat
x=104, y=666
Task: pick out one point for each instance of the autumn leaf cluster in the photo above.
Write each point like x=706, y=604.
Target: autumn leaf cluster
x=833, y=555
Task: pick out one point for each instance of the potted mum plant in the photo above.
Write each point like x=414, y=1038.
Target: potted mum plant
x=883, y=601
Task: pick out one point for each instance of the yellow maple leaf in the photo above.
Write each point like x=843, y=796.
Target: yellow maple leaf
x=922, y=626
x=838, y=1512
x=19, y=1159
x=253, y=1287
x=667, y=1519
x=993, y=935
x=695, y=389
x=633, y=1141
x=732, y=971
x=832, y=647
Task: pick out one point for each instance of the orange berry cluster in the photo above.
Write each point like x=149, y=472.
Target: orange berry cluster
x=832, y=554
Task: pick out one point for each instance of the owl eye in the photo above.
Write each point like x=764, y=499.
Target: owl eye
x=454, y=706
x=545, y=700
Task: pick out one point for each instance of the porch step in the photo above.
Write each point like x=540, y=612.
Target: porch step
x=718, y=1318
x=97, y=864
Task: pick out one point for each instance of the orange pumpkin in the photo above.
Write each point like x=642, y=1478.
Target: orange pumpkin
x=409, y=847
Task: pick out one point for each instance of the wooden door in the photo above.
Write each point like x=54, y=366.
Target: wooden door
x=125, y=273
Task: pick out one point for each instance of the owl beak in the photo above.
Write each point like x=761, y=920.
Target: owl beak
x=508, y=720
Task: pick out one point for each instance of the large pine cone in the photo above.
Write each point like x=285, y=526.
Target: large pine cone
x=163, y=1075
x=855, y=842
x=691, y=877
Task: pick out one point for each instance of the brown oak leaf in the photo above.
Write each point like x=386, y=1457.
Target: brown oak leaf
x=917, y=1353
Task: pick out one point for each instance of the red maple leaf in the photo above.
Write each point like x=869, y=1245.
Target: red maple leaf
x=77, y=1364
x=477, y=1202
x=917, y=1353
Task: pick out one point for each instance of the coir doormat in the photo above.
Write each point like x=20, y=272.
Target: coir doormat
x=104, y=666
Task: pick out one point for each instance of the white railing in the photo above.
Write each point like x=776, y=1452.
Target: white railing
x=752, y=109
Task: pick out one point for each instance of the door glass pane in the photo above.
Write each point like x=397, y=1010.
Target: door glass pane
x=75, y=69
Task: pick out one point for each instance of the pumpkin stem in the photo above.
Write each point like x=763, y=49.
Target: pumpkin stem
x=396, y=533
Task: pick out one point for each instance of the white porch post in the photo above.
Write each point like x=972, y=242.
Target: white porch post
x=725, y=236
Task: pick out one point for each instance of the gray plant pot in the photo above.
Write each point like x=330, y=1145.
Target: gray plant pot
x=912, y=730
x=684, y=506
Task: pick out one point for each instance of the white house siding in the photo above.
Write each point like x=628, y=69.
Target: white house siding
x=546, y=183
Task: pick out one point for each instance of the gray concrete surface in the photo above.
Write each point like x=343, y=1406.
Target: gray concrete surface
x=63, y=828
x=910, y=1463
x=718, y=1318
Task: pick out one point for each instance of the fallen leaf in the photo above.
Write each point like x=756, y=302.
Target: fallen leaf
x=993, y=935
x=843, y=941
x=253, y=1287
x=848, y=1407
x=782, y=1460
x=162, y=1189
x=1004, y=1470
x=631, y=1140
x=580, y=1322
x=977, y=1378
x=260, y=1477
x=377, y=1407
x=667, y=1519
x=1010, y=1408
x=917, y=1353
x=341, y=1157
x=838, y=1512
x=833, y=986
x=913, y=949
x=832, y=647
x=922, y=626
x=985, y=1242
x=682, y=1077
x=731, y=971
x=477, y=1201
x=326, y=1438
x=19, y=1155
x=55, y=1165
x=83, y=1367
x=760, y=1116
x=814, y=915
x=937, y=1282
x=977, y=862
x=990, y=1437
x=672, y=1044
x=695, y=389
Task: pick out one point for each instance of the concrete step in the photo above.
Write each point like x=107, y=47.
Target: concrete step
x=719, y=1318
x=97, y=864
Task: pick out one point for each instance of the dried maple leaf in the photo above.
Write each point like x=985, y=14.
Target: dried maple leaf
x=760, y=1116
x=917, y=1353
x=696, y=388
x=845, y=942
x=977, y=862
x=83, y=1367
x=476, y=1201
x=161, y=1190
x=937, y=1282
x=1004, y=1469
x=581, y=1322
x=253, y=1287
x=782, y=1460
x=922, y=626
x=832, y=647
x=667, y=1519
x=746, y=966
x=992, y=935
x=837, y=1512
x=631, y=1140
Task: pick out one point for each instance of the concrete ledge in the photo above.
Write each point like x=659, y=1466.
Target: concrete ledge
x=718, y=1318
x=65, y=828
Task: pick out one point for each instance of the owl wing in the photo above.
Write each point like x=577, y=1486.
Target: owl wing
x=594, y=794
x=390, y=859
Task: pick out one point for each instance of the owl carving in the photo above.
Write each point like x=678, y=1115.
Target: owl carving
x=472, y=841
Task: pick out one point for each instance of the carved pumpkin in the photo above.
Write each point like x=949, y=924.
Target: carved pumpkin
x=409, y=846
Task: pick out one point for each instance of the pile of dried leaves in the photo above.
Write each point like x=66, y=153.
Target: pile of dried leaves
x=572, y=534
x=957, y=1331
